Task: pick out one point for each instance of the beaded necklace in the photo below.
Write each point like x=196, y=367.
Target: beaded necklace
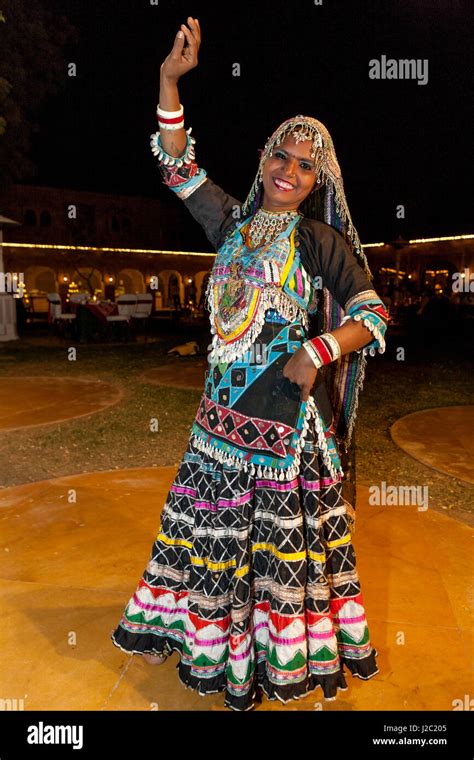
x=265, y=226
x=262, y=230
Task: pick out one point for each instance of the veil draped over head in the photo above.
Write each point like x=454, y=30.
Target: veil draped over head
x=326, y=203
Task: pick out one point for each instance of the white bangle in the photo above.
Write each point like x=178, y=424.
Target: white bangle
x=314, y=356
x=334, y=343
x=169, y=114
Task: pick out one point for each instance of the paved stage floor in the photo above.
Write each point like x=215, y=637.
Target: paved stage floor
x=178, y=372
x=440, y=438
x=33, y=401
x=74, y=548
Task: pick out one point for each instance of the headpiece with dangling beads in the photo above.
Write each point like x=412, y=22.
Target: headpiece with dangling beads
x=326, y=203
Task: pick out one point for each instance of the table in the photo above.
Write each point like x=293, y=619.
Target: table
x=91, y=322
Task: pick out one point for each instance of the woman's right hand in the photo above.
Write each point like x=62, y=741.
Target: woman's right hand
x=182, y=59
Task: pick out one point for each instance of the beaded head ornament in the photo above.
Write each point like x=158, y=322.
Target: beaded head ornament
x=326, y=203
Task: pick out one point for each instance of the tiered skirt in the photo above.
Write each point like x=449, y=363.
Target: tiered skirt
x=254, y=583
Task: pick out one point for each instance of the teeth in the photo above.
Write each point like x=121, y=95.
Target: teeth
x=283, y=184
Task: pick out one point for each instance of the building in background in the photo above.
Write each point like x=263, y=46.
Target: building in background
x=157, y=235
x=51, y=217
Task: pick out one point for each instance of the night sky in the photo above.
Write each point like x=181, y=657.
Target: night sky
x=397, y=142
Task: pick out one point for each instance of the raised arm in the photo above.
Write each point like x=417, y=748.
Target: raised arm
x=209, y=204
x=180, y=60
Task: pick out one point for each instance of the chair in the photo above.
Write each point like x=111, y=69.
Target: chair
x=144, y=306
x=143, y=310
x=38, y=308
x=126, y=304
x=55, y=309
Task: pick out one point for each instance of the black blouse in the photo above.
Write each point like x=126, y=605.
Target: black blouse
x=324, y=252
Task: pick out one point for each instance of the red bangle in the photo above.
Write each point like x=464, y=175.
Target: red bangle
x=323, y=349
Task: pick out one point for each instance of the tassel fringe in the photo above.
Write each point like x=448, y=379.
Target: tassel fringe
x=168, y=160
x=358, y=387
x=373, y=329
x=271, y=298
x=375, y=332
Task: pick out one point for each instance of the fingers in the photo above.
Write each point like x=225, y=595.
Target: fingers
x=304, y=392
x=177, y=47
x=192, y=48
x=193, y=34
x=179, y=40
x=195, y=28
x=303, y=386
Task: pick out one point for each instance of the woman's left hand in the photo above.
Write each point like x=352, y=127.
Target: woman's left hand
x=300, y=369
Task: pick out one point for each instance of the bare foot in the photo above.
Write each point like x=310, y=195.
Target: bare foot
x=154, y=659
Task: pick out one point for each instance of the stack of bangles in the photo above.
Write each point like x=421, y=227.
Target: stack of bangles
x=170, y=119
x=323, y=350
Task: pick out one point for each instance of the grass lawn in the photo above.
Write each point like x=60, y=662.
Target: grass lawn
x=120, y=436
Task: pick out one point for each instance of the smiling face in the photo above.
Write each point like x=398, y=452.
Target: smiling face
x=288, y=175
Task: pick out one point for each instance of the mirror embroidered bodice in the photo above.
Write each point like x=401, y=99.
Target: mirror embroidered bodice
x=250, y=415
x=245, y=283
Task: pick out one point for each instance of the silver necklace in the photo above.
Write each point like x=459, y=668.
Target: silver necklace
x=265, y=225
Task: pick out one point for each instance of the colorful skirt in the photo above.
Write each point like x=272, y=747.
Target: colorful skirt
x=253, y=581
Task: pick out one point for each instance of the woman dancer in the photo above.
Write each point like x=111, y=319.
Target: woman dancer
x=252, y=577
